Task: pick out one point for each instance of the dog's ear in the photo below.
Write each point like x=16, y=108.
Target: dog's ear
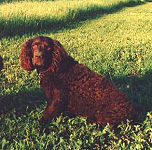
x=26, y=56
x=1, y=63
x=59, y=56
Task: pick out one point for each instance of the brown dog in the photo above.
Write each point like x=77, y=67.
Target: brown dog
x=72, y=87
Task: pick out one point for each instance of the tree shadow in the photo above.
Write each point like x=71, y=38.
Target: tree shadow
x=26, y=98
x=20, y=26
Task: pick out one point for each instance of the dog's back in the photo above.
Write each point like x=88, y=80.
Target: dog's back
x=93, y=96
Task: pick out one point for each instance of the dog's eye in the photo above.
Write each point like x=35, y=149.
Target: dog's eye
x=48, y=48
x=34, y=46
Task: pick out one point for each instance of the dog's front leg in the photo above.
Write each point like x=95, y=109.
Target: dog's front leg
x=56, y=105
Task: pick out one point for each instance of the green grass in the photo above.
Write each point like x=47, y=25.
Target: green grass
x=117, y=43
x=50, y=15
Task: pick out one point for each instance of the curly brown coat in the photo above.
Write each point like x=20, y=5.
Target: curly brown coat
x=72, y=87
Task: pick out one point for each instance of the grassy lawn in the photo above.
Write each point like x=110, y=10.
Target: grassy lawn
x=111, y=37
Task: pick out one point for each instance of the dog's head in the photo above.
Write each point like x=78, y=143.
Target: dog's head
x=41, y=53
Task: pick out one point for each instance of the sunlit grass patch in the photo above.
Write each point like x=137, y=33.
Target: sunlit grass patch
x=66, y=133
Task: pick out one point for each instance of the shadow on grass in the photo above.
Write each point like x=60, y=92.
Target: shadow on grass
x=20, y=25
x=21, y=101
x=138, y=90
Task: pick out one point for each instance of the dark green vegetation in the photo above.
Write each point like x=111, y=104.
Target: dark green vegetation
x=117, y=43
